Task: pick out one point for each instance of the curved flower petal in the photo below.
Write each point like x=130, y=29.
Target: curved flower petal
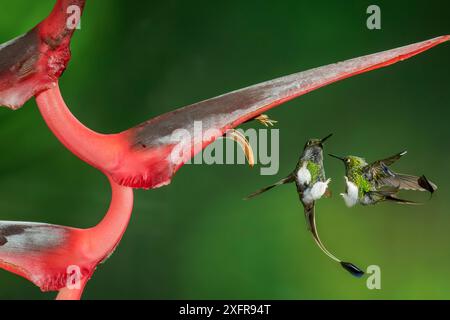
x=34, y=61
x=58, y=258
x=148, y=155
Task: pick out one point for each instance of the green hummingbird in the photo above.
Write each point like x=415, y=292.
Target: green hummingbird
x=369, y=184
x=312, y=185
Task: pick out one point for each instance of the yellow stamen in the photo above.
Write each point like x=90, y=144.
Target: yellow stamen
x=245, y=145
x=265, y=120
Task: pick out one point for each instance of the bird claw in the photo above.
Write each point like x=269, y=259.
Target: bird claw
x=265, y=120
x=241, y=140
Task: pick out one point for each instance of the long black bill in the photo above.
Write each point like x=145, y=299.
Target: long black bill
x=326, y=138
x=332, y=155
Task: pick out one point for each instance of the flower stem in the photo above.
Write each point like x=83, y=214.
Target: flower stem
x=96, y=149
x=99, y=242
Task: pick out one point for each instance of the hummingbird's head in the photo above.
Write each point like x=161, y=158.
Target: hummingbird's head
x=351, y=162
x=313, y=149
x=317, y=143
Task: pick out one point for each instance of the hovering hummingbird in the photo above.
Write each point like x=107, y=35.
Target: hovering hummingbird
x=369, y=184
x=312, y=185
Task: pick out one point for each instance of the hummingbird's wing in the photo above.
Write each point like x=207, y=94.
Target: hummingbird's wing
x=393, y=159
x=312, y=227
x=407, y=182
x=286, y=180
x=378, y=167
x=380, y=173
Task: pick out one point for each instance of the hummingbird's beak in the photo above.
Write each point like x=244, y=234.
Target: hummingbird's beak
x=326, y=138
x=332, y=155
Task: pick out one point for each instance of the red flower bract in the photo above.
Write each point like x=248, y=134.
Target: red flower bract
x=33, y=62
x=46, y=254
x=141, y=157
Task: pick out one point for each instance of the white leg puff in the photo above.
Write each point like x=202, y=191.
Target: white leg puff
x=316, y=191
x=319, y=189
x=351, y=197
x=303, y=175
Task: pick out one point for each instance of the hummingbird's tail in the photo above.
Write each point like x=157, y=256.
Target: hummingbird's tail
x=402, y=201
x=311, y=220
x=407, y=182
x=389, y=195
x=286, y=180
x=427, y=184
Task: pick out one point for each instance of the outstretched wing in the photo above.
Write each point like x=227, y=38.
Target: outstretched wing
x=385, y=177
x=391, y=160
x=407, y=182
x=379, y=169
x=157, y=148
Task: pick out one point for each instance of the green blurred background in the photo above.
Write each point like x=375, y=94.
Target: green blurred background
x=196, y=239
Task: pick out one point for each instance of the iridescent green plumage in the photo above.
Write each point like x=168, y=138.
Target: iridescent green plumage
x=315, y=170
x=355, y=173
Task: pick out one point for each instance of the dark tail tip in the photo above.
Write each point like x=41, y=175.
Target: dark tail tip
x=354, y=270
x=426, y=184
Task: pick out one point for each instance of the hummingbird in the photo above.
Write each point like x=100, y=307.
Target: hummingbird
x=369, y=184
x=312, y=184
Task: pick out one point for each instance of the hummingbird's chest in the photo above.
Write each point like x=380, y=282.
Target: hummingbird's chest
x=361, y=181
x=307, y=174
